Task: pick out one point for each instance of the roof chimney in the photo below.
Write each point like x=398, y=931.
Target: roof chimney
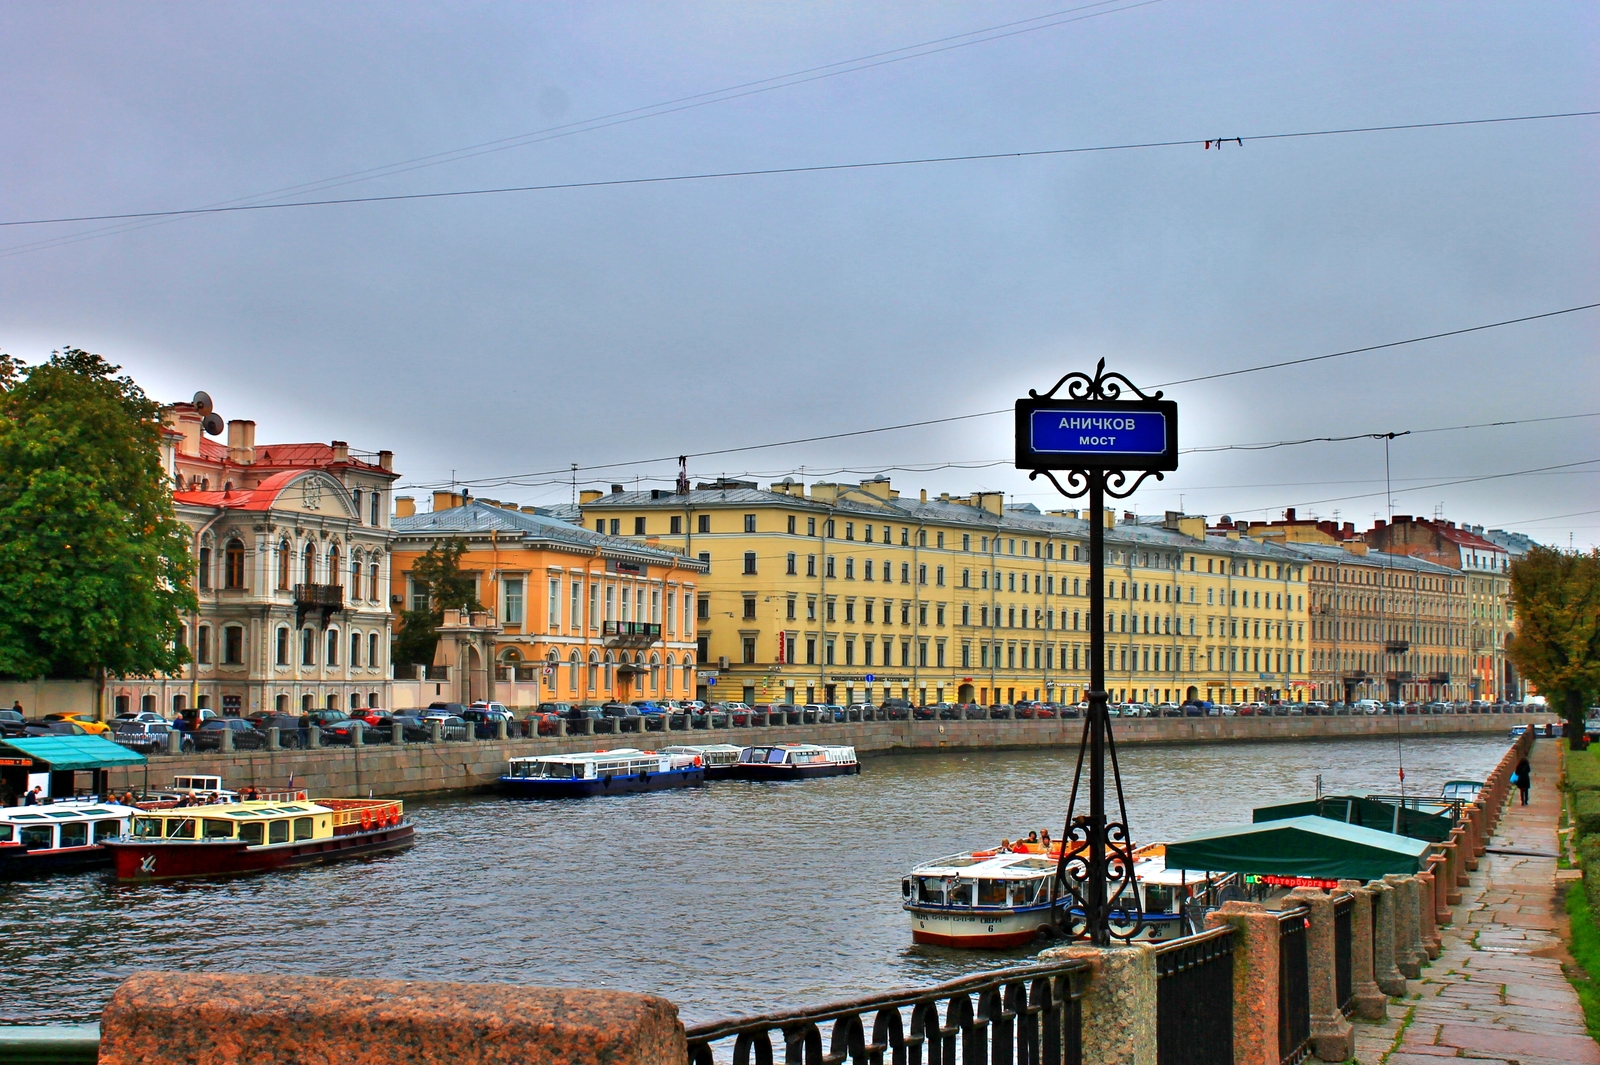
x=341, y=451
x=241, y=442
x=924, y=495
x=445, y=501
x=1288, y=515
x=386, y=459
x=616, y=489
x=404, y=506
x=589, y=495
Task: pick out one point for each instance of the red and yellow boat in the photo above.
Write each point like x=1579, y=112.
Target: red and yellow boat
x=232, y=838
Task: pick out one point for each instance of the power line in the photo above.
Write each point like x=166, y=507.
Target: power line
x=638, y=114
x=1424, y=487
x=776, y=171
x=1379, y=436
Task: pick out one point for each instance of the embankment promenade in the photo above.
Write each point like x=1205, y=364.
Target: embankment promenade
x=429, y=768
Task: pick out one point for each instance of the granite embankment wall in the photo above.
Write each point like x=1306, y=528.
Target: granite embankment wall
x=422, y=768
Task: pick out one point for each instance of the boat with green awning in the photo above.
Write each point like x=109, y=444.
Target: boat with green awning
x=1300, y=847
x=1432, y=825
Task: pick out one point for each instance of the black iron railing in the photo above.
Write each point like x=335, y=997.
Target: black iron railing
x=1294, y=988
x=1194, y=1000
x=1343, y=931
x=1027, y=1015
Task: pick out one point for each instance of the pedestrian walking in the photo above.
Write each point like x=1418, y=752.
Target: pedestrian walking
x=1523, y=778
x=16, y=704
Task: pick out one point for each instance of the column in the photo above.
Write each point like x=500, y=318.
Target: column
x=1331, y=1037
x=1439, y=865
x=1255, y=980
x=1385, y=955
x=1371, y=1004
x=1119, y=1003
x=1427, y=930
x=1408, y=952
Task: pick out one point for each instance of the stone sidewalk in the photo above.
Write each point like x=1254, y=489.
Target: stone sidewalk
x=1496, y=992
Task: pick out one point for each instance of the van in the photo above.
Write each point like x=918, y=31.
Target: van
x=1367, y=706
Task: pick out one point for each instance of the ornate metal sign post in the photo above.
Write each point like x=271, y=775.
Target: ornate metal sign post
x=1096, y=438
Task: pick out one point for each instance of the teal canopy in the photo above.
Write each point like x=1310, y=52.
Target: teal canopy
x=1431, y=825
x=1313, y=847
x=62, y=753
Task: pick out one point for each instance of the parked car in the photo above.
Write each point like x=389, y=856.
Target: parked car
x=12, y=724
x=148, y=737
x=86, y=721
x=288, y=727
x=442, y=710
x=947, y=711
x=496, y=708
x=1003, y=712
x=55, y=728
x=134, y=715
x=245, y=737
x=896, y=709
x=412, y=728
x=486, y=722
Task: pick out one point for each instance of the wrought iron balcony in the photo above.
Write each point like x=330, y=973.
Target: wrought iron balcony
x=326, y=599
x=620, y=633
x=1396, y=647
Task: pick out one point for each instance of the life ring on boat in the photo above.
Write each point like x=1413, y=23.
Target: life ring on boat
x=300, y=796
x=697, y=762
x=366, y=819
x=984, y=854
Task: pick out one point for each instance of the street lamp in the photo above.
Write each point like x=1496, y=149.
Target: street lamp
x=1096, y=439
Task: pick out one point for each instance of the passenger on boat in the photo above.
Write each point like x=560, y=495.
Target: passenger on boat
x=1033, y=838
x=1005, y=846
x=34, y=797
x=127, y=798
x=1044, y=839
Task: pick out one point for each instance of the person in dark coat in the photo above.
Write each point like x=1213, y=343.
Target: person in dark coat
x=1524, y=779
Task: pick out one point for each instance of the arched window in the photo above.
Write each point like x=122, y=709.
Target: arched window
x=284, y=551
x=373, y=661
x=355, y=650
x=233, y=564
x=655, y=670
x=202, y=645
x=334, y=576
x=594, y=669
x=572, y=674
x=374, y=592
x=688, y=676
x=333, y=647
x=205, y=569
x=671, y=678
x=283, y=645
x=308, y=646
x=311, y=564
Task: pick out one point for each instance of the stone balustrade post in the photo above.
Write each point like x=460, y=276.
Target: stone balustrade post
x=1255, y=980
x=587, y=727
x=1481, y=831
x=274, y=742
x=563, y=727
x=225, y=741
x=1385, y=949
x=397, y=733
x=314, y=737
x=500, y=729
x=1439, y=867
x=1370, y=1002
x=1427, y=916
x=1458, y=864
x=1331, y=1036
x=436, y=731
x=358, y=735
x=1408, y=952
x=1118, y=1004
x=174, y=742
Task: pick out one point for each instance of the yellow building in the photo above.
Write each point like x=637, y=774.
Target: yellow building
x=853, y=593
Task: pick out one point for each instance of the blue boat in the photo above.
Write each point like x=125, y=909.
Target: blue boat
x=615, y=772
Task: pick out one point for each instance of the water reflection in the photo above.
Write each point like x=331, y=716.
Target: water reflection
x=733, y=898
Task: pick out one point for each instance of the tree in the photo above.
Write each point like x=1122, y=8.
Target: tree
x=439, y=572
x=1556, y=597
x=94, y=563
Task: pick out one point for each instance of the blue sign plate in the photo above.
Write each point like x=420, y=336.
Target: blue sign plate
x=1097, y=434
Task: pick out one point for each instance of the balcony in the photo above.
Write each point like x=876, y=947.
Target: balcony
x=1396, y=647
x=630, y=633
x=326, y=599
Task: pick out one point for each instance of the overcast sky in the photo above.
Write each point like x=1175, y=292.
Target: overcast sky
x=518, y=334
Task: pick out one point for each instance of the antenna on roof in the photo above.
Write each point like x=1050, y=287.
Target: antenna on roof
x=683, y=475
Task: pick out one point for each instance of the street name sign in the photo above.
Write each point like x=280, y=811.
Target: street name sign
x=1097, y=434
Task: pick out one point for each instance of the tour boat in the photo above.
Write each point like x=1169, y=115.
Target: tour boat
x=795, y=761
x=226, y=839
x=625, y=769
x=59, y=837
x=719, y=759
x=1001, y=898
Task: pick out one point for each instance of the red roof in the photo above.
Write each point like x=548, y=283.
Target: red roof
x=298, y=456
x=261, y=497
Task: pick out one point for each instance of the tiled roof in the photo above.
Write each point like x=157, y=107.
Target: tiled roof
x=299, y=456
x=1381, y=559
x=479, y=517
x=261, y=497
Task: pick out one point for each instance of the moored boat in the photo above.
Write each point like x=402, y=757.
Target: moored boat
x=719, y=759
x=1001, y=898
x=59, y=837
x=613, y=772
x=228, y=839
x=795, y=761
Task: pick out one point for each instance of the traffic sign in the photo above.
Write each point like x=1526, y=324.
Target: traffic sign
x=1097, y=434
x=711, y=681
x=869, y=678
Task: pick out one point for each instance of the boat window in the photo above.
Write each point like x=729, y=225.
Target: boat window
x=6, y=833
x=961, y=892
x=278, y=832
x=181, y=827
x=905, y=888
x=75, y=834
x=212, y=828
x=754, y=754
x=104, y=830
x=1158, y=898
x=250, y=832
x=776, y=756
x=37, y=836
x=1026, y=892
x=302, y=828
x=991, y=893
x=930, y=889
x=147, y=827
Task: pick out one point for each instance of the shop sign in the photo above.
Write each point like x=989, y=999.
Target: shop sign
x=1289, y=881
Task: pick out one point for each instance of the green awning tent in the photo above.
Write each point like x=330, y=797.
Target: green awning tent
x=1433, y=826
x=1313, y=847
x=73, y=753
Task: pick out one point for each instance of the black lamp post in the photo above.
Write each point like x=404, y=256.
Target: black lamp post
x=1096, y=438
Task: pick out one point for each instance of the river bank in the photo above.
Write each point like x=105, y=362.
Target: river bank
x=417, y=769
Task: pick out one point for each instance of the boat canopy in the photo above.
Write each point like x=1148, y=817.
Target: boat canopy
x=73, y=753
x=1300, y=846
x=1432, y=825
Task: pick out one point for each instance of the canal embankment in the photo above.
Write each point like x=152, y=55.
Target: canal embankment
x=414, y=769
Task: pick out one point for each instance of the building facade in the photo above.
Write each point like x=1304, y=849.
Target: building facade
x=291, y=553
x=853, y=593
x=569, y=615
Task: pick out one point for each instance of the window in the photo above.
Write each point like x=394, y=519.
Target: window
x=749, y=562
x=811, y=608
x=869, y=605
x=233, y=645
x=830, y=609
x=675, y=525
x=749, y=613
x=749, y=648
x=284, y=551
x=749, y=523
x=205, y=568
x=355, y=578
x=202, y=646
x=939, y=614
x=283, y=646
x=333, y=647
x=827, y=529
x=868, y=530
x=356, y=495
x=553, y=606
x=830, y=570
x=308, y=647
x=791, y=525
x=355, y=650
x=616, y=526
x=811, y=526
x=938, y=576
x=333, y=565
x=233, y=564
x=373, y=659
x=375, y=503
x=705, y=556
x=811, y=650
x=789, y=564
x=374, y=591
x=866, y=571
x=513, y=607
x=703, y=608
x=905, y=573
x=849, y=569
x=811, y=565
x=638, y=526
x=309, y=567
x=789, y=616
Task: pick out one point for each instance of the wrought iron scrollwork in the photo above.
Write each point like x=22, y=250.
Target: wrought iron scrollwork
x=1072, y=886
x=1101, y=386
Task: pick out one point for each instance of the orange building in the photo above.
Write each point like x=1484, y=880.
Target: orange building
x=569, y=615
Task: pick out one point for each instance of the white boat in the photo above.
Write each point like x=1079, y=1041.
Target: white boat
x=613, y=772
x=1001, y=898
x=796, y=761
x=66, y=836
x=718, y=759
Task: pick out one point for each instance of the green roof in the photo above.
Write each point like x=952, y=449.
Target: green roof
x=1368, y=813
x=1300, y=846
x=61, y=753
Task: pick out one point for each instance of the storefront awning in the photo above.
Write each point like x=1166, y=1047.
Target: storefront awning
x=62, y=753
x=1300, y=846
x=1431, y=825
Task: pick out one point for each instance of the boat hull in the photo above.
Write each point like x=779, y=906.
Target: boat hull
x=17, y=863
x=765, y=771
x=726, y=771
x=998, y=929
x=615, y=784
x=161, y=859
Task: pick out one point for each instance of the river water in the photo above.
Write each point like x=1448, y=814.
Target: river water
x=729, y=899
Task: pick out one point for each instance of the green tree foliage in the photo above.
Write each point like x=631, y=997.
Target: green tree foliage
x=439, y=571
x=94, y=564
x=1556, y=596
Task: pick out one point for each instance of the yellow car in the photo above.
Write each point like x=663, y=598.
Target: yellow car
x=83, y=721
